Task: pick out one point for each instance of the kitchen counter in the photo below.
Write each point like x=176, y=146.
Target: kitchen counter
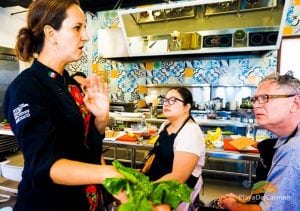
x=8, y=142
x=201, y=121
x=6, y=132
x=219, y=122
x=216, y=153
x=249, y=158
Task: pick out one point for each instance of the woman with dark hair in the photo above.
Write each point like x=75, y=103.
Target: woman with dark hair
x=81, y=79
x=180, y=149
x=59, y=131
x=80, y=74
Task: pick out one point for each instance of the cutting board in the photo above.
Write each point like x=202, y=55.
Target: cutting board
x=228, y=146
x=127, y=137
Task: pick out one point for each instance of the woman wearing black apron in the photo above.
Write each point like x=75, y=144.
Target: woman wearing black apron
x=180, y=149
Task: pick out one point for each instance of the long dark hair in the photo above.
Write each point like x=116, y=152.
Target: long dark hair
x=30, y=39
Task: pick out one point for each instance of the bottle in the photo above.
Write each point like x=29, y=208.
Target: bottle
x=250, y=131
x=154, y=108
x=144, y=123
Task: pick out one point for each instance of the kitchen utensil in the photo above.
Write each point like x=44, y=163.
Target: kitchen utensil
x=232, y=106
x=246, y=103
x=240, y=38
x=218, y=102
x=210, y=108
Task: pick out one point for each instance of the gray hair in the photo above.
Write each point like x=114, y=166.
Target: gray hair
x=287, y=81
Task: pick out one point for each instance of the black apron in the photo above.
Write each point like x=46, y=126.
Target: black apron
x=164, y=156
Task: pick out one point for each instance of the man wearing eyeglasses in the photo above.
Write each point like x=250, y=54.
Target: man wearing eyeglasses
x=277, y=108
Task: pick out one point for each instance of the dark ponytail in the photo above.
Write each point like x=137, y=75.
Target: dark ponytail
x=25, y=45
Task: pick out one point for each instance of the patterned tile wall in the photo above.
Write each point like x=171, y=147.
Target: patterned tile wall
x=128, y=80
x=292, y=26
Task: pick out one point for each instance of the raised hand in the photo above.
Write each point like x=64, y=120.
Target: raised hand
x=96, y=100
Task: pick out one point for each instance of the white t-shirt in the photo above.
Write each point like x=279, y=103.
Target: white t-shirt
x=190, y=139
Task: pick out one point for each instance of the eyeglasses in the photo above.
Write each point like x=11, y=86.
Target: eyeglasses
x=262, y=99
x=171, y=100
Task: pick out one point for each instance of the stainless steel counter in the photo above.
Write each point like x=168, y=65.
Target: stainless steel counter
x=249, y=158
x=200, y=121
x=8, y=142
x=220, y=123
x=138, y=119
x=6, y=132
x=235, y=155
x=216, y=153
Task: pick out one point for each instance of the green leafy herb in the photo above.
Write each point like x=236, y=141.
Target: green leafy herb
x=142, y=193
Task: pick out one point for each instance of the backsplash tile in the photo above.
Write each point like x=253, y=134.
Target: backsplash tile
x=127, y=80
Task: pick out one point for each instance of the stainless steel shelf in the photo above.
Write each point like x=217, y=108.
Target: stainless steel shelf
x=222, y=8
x=176, y=85
x=158, y=15
x=197, y=85
x=8, y=144
x=200, y=121
x=237, y=6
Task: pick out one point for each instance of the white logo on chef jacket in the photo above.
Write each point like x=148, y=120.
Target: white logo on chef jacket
x=21, y=112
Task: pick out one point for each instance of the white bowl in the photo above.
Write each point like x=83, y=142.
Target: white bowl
x=218, y=144
x=11, y=172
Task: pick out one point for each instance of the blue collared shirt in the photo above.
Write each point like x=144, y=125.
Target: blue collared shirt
x=284, y=176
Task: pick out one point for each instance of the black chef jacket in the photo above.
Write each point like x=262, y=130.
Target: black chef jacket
x=48, y=126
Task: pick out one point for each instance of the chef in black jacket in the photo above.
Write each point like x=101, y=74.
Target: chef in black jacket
x=58, y=129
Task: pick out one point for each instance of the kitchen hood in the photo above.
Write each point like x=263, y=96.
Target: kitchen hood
x=7, y=54
x=204, y=26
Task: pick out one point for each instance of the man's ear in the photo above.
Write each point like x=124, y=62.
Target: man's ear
x=49, y=32
x=296, y=103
